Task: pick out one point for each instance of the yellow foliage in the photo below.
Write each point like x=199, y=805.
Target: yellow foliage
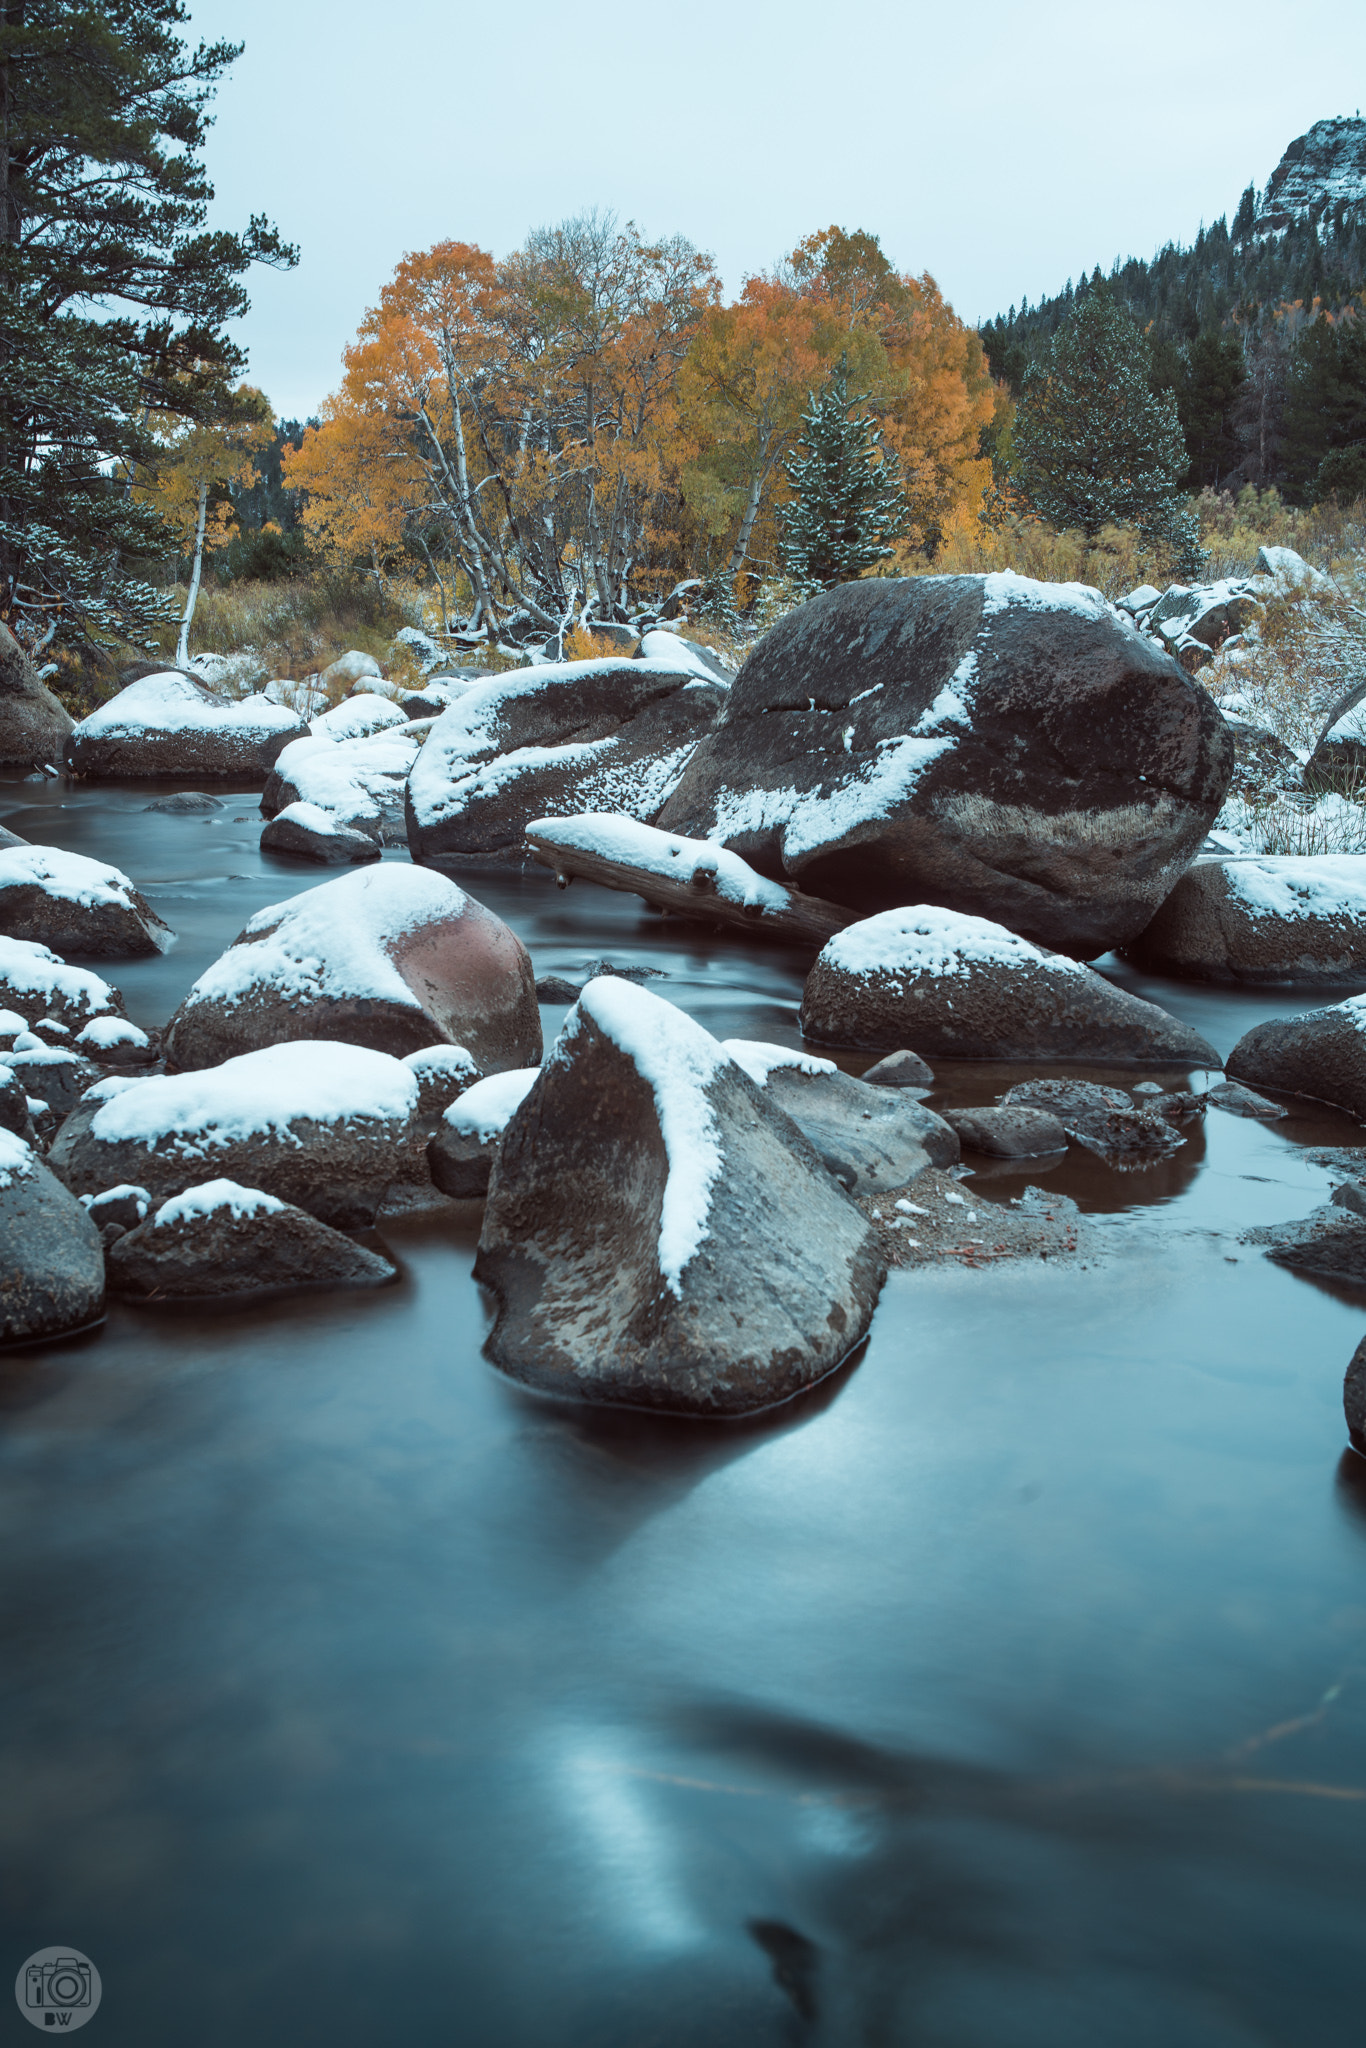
x=199, y=459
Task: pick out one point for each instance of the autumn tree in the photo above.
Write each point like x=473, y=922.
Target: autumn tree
x=192, y=469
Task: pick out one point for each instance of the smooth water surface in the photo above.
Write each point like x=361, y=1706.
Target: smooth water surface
x=1008, y=1692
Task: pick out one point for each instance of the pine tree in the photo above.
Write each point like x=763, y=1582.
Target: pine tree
x=113, y=297
x=847, y=504
x=1246, y=215
x=1095, y=445
x=1207, y=394
x=1325, y=408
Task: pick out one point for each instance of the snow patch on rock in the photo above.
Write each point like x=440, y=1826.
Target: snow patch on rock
x=925, y=939
x=760, y=1060
x=172, y=702
x=16, y=1159
x=263, y=1093
x=212, y=1195
x=70, y=876
x=485, y=1110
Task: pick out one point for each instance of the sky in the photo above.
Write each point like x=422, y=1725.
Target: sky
x=1003, y=148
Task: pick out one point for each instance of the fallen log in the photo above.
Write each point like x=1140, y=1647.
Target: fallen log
x=688, y=877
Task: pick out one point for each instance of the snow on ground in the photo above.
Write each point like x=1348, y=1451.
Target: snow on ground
x=760, y=1060
x=678, y=1059
x=927, y=940
x=258, y=1094
x=213, y=1195
x=1300, y=885
x=485, y=1110
x=29, y=968
x=16, y=1159
x=664, y=853
x=333, y=940
x=170, y=702
x=71, y=876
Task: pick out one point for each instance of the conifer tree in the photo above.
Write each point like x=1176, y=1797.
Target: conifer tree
x=1095, y=445
x=847, y=505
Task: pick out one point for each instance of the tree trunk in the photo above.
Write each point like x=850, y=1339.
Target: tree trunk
x=182, y=651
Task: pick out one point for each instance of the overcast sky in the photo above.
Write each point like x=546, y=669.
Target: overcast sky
x=1001, y=147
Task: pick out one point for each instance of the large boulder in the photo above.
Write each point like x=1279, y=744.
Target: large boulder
x=609, y=735
x=359, y=781
x=33, y=723
x=390, y=956
x=220, y=1239
x=1338, y=761
x=317, y=1124
x=967, y=989
x=35, y=983
x=871, y=1138
x=52, y=1272
x=358, y=718
x=75, y=905
x=1262, y=918
x=658, y=1233
x=1014, y=749
x=169, y=724
x=1320, y=1054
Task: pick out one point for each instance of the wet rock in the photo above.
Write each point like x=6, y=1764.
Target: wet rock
x=1320, y=1054
x=35, y=983
x=1354, y=1398
x=443, y=1073
x=1330, y=1245
x=1351, y=1195
x=552, y=742
x=1292, y=918
x=658, y=1233
x=870, y=1139
x=185, y=803
x=553, y=988
x=392, y=957
x=169, y=724
x=33, y=723
x=900, y=1069
x=1104, y=1120
x=315, y=1123
x=964, y=988
x=1179, y=1106
x=52, y=1272
x=1240, y=1101
x=220, y=1239
x=949, y=1223
x=74, y=905
x=469, y=1134
x=1012, y=749
x=310, y=833
x=1014, y=1133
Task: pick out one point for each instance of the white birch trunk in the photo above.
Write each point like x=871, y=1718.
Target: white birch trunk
x=182, y=651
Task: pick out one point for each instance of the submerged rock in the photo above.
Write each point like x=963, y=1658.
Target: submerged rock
x=317, y=1124
x=965, y=988
x=52, y=1272
x=1240, y=1101
x=870, y=1139
x=1013, y=749
x=900, y=1069
x=169, y=724
x=1009, y=1132
x=658, y=1233
x=220, y=1239
x=74, y=905
x=392, y=957
x=1320, y=1054
x=1291, y=918
x=185, y=803
x=1105, y=1120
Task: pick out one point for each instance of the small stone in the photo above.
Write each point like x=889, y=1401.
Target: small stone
x=184, y=801
x=1008, y=1133
x=1240, y=1101
x=903, y=1069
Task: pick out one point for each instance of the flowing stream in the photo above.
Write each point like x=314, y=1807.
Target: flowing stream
x=1009, y=1691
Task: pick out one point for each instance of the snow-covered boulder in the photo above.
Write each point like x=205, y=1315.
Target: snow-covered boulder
x=704, y=662
x=1010, y=748
x=168, y=724
x=442, y=1073
x=470, y=1132
x=358, y=718
x=971, y=990
x=315, y=1123
x=75, y=905
x=52, y=1271
x=658, y=1233
x=114, y=1041
x=392, y=956
x=1288, y=569
x=307, y=832
x=358, y=782
x=221, y=1239
x=348, y=669
x=35, y=983
x=1281, y=918
x=50, y=1074
x=1194, y=620
x=1320, y=1054
x=610, y=735
x=33, y=723
x=15, y=1114
x=872, y=1139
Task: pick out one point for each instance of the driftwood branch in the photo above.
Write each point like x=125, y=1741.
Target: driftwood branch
x=688, y=878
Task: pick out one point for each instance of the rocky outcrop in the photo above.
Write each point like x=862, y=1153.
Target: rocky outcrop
x=316, y=1124
x=1262, y=919
x=964, y=988
x=554, y=741
x=1325, y=165
x=35, y=983
x=871, y=1139
x=658, y=1233
x=1011, y=749
x=33, y=723
x=1320, y=1054
x=169, y=724
x=52, y=1272
x=220, y=1240
x=391, y=957
x=75, y=905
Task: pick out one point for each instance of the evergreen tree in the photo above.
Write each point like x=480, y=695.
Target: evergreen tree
x=1246, y=215
x=113, y=297
x=1095, y=445
x=847, y=504
x=1208, y=390
x=1325, y=404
